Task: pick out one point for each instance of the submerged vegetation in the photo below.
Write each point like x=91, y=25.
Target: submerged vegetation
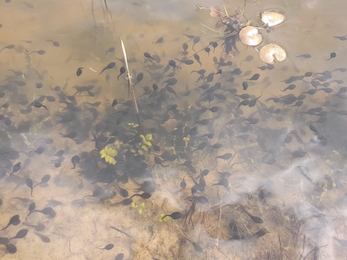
x=235, y=27
x=220, y=152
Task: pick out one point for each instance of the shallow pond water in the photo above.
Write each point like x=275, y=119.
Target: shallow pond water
x=228, y=158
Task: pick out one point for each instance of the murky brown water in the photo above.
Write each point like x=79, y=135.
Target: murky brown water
x=268, y=183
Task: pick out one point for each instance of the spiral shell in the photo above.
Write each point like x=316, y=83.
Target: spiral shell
x=250, y=36
x=272, y=18
x=271, y=52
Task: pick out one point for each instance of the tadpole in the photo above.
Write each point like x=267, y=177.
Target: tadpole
x=123, y=192
x=14, y=220
x=75, y=160
x=144, y=195
x=196, y=39
x=46, y=211
x=222, y=182
x=12, y=249
x=196, y=246
x=30, y=184
x=40, y=52
x=111, y=49
x=200, y=199
x=255, y=77
x=253, y=218
x=139, y=78
x=160, y=40
x=111, y=65
x=120, y=256
x=43, y=238
x=148, y=56
x=197, y=58
x=55, y=43
x=107, y=247
x=225, y=156
x=15, y=168
x=121, y=71
x=44, y=180
x=20, y=234
x=332, y=55
x=174, y=215
x=11, y=46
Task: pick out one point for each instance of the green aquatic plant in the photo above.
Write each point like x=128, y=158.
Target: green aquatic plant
x=138, y=206
x=109, y=154
x=143, y=146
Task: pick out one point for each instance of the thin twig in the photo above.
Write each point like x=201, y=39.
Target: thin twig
x=131, y=88
x=121, y=232
x=303, y=248
x=130, y=84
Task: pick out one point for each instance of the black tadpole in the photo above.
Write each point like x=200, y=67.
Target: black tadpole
x=123, y=192
x=253, y=218
x=55, y=43
x=15, y=168
x=139, y=78
x=12, y=249
x=225, y=156
x=148, y=56
x=30, y=184
x=107, y=247
x=39, y=52
x=120, y=256
x=200, y=199
x=75, y=160
x=14, y=220
x=196, y=246
x=160, y=40
x=121, y=71
x=222, y=182
x=255, y=77
x=341, y=38
x=332, y=55
x=38, y=104
x=79, y=71
x=109, y=66
x=44, y=180
x=114, y=102
x=174, y=215
x=244, y=85
x=124, y=202
x=11, y=46
x=197, y=58
x=144, y=195
x=20, y=234
x=111, y=49
x=43, y=238
x=45, y=211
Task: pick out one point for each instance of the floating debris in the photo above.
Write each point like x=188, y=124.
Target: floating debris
x=272, y=19
x=271, y=52
x=250, y=36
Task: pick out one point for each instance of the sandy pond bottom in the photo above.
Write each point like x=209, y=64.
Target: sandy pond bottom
x=255, y=172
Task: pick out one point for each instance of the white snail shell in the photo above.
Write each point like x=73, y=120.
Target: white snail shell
x=271, y=52
x=250, y=36
x=272, y=18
